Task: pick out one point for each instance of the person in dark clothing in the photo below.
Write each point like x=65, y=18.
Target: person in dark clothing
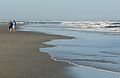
x=10, y=26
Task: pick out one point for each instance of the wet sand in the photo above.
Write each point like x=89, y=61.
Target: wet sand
x=20, y=56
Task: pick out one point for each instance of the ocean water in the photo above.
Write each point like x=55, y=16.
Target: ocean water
x=96, y=54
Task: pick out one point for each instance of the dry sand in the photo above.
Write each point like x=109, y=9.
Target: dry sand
x=20, y=56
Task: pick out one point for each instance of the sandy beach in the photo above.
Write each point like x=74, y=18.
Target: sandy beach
x=20, y=56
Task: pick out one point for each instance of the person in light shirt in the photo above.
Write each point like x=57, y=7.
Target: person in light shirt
x=14, y=25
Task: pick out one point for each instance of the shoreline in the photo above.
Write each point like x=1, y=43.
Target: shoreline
x=20, y=57
x=74, y=64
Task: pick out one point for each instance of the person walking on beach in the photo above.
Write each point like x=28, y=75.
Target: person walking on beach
x=14, y=25
x=10, y=26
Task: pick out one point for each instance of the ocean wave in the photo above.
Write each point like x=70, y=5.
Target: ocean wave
x=89, y=66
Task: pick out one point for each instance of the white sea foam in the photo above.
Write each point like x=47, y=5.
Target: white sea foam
x=99, y=26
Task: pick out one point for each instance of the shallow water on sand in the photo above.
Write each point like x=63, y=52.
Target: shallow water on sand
x=88, y=48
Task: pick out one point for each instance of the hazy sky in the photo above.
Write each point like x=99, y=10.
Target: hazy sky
x=60, y=9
